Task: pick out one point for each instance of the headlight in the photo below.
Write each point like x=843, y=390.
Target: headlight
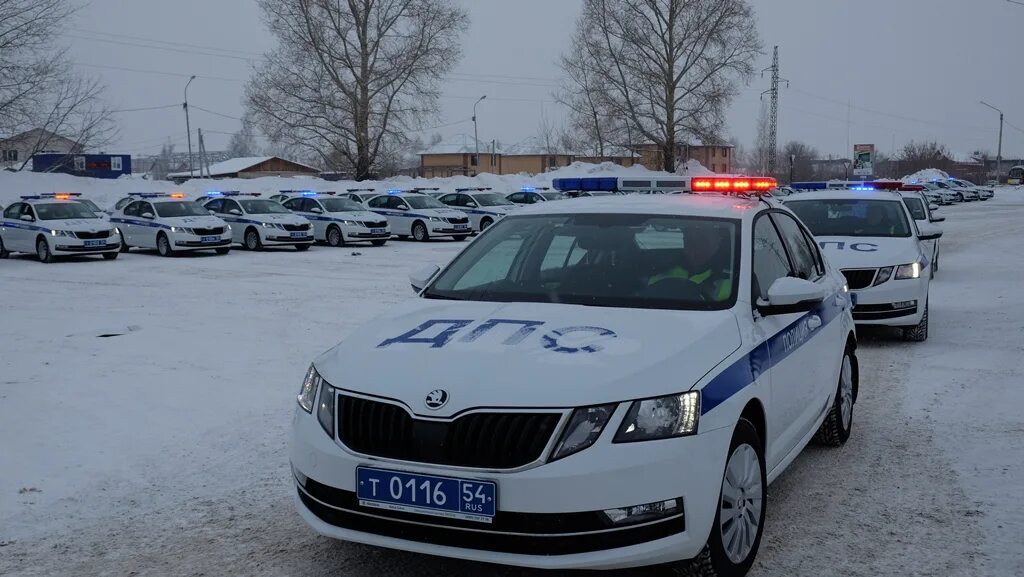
x=309, y=384
x=181, y=229
x=350, y=223
x=661, y=418
x=115, y=232
x=227, y=227
x=66, y=233
x=273, y=225
x=436, y=219
x=325, y=408
x=585, y=426
x=883, y=275
x=908, y=271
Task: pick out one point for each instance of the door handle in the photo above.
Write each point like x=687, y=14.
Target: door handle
x=813, y=322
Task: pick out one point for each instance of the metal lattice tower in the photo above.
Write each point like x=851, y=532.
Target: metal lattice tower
x=773, y=114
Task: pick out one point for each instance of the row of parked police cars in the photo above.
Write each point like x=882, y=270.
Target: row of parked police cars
x=664, y=358
x=702, y=338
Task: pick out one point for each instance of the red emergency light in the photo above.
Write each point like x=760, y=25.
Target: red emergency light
x=913, y=187
x=728, y=184
x=885, y=185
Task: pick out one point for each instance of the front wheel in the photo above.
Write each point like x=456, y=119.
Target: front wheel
x=3, y=250
x=739, y=522
x=919, y=332
x=43, y=251
x=419, y=232
x=959, y=197
x=379, y=242
x=252, y=240
x=835, y=430
x=334, y=237
x=486, y=222
x=163, y=246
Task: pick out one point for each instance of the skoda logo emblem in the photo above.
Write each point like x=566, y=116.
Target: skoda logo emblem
x=437, y=399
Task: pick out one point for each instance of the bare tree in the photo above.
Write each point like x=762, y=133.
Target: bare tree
x=39, y=86
x=350, y=77
x=762, y=143
x=668, y=69
x=243, y=143
x=917, y=156
x=591, y=119
x=800, y=157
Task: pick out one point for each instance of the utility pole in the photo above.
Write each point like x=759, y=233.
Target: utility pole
x=476, y=136
x=773, y=114
x=999, y=154
x=188, y=127
x=202, y=155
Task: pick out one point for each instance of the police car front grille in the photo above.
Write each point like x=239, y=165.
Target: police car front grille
x=461, y=220
x=477, y=440
x=93, y=235
x=208, y=231
x=296, y=227
x=859, y=278
x=381, y=224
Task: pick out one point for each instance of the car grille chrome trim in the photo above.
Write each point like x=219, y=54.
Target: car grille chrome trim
x=859, y=278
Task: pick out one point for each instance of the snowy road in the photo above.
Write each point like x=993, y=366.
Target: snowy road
x=162, y=451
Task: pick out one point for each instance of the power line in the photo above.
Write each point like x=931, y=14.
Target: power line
x=147, y=108
x=164, y=48
x=215, y=113
x=158, y=72
x=886, y=114
x=168, y=42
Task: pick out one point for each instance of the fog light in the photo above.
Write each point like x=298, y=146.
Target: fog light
x=644, y=513
x=905, y=305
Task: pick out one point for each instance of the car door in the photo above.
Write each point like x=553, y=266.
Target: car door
x=379, y=205
x=793, y=353
x=16, y=230
x=144, y=229
x=918, y=210
x=401, y=211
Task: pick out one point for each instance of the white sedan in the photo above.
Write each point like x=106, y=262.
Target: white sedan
x=259, y=222
x=55, y=224
x=339, y=221
x=663, y=359
x=420, y=216
x=483, y=206
x=170, y=224
x=872, y=237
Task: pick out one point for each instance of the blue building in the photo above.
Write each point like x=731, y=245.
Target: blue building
x=91, y=165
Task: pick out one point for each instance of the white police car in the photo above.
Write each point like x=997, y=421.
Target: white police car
x=419, y=216
x=483, y=206
x=339, y=221
x=921, y=211
x=259, y=222
x=99, y=212
x=56, y=224
x=638, y=415
x=360, y=195
x=872, y=237
x=960, y=193
x=170, y=224
x=533, y=195
x=984, y=192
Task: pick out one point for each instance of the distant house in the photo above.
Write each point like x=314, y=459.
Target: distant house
x=90, y=165
x=451, y=160
x=717, y=158
x=249, y=167
x=17, y=149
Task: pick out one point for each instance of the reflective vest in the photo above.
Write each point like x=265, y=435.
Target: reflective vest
x=720, y=290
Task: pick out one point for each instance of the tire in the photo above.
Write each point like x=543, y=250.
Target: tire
x=222, y=250
x=302, y=247
x=335, y=237
x=111, y=255
x=919, y=332
x=252, y=240
x=379, y=242
x=959, y=197
x=403, y=237
x=721, y=557
x=124, y=243
x=419, y=232
x=3, y=250
x=485, y=222
x=163, y=245
x=43, y=251
x=835, y=430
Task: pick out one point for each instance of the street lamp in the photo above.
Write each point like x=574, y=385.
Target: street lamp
x=476, y=135
x=999, y=153
x=188, y=128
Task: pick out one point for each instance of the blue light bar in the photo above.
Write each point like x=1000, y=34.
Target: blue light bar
x=393, y=191
x=862, y=188
x=60, y=195
x=309, y=193
x=528, y=189
x=214, y=193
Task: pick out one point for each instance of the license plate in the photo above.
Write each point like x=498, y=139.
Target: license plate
x=461, y=226
x=299, y=235
x=378, y=230
x=210, y=239
x=448, y=497
x=95, y=243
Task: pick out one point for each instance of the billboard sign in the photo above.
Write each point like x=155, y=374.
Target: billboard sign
x=863, y=159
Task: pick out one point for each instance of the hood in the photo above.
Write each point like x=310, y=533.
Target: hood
x=77, y=224
x=360, y=215
x=528, y=354
x=279, y=218
x=448, y=212
x=194, y=221
x=869, y=252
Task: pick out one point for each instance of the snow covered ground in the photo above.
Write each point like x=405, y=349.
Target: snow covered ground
x=162, y=451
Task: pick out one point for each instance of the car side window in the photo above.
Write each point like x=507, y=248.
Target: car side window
x=145, y=207
x=396, y=203
x=122, y=203
x=13, y=211
x=449, y=199
x=819, y=261
x=378, y=202
x=293, y=204
x=216, y=205
x=465, y=200
x=770, y=260
x=230, y=205
x=132, y=209
x=517, y=197
x=26, y=208
x=804, y=263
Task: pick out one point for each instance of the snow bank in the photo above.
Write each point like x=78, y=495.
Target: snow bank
x=105, y=192
x=927, y=174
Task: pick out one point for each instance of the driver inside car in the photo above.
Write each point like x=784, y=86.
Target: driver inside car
x=706, y=265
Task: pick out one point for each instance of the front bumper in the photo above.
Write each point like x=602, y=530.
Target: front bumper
x=66, y=246
x=361, y=233
x=547, y=515
x=888, y=304
x=285, y=238
x=183, y=241
x=441, y=228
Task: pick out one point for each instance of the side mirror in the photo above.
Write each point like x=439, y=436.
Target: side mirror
x=211, y=212
x=148, y=215
x=421, y=277
x=316, y=210
x=938, y=219
x=471, y=205
x=791, y=295
x=28, y=218
x=933, y=207
x=403, y=207
x=235, y=212
x=929, y=232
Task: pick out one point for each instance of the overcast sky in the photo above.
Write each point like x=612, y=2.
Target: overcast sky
x=898, y=69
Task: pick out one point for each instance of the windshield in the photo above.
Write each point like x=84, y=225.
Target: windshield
x=609, y=260
x=341, y=205
x=491, y=199
x=423, y=201
x=63, y=210
x=263, y=207
x=916, y=208
x=552, y=195
x=853, y=217
x=91, y=205
x=182, y=208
